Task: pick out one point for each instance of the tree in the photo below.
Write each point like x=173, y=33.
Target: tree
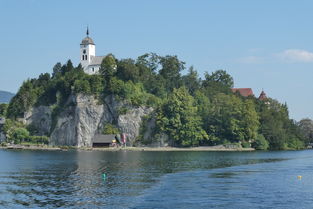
x=127, y=70
x=178, y=118
x=170, y=71
x=108, y=67
x=260, y=143
x=20, y=134
x=219, y=77
x=192, y=81
x=232, y=119
x=306, y=127
x=3, y=109
x=110, y=129
x=56, y=69
x=250, y=120
x=217, y=82
x=23, y=100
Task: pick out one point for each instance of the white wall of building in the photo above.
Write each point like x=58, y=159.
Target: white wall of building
x=90, y=52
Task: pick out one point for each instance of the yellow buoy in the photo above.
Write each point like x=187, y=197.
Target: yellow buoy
x=299, y=177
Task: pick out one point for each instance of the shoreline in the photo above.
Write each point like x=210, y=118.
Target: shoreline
x=220, y=148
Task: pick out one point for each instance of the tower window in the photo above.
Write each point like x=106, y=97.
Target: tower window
x=83, y=57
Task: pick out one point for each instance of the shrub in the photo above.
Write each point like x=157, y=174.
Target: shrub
x=110, y=129
x=245, y=144
x=260, y=143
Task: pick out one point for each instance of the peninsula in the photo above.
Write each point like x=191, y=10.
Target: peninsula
x=147, y=101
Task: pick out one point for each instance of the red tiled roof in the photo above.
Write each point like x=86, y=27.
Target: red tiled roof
x=243, y=91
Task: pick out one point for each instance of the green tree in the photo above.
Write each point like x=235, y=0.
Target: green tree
x=3, y=110
x=20, y=134
x=178, y=118
x=306, y=127
x=56, y=69
x=217, y=82
x=128, y=70
x=250, y=120
x=170, y=71
x=232, y=119
x=260, y=143
x=82, y=86
x=192, y=81
x=108, y=67
x=110, y=129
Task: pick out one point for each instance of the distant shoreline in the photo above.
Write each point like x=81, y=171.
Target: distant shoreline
x=202, y=148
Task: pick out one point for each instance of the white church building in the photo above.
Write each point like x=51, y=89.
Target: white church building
x=88, y=59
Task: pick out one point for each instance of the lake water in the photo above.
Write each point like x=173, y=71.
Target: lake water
x=73, y=179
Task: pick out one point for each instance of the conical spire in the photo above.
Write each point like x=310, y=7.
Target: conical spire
x=87, y=31
x=262, y=95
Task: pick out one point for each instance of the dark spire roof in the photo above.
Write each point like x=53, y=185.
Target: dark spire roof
x=87, y=40
x=262, y=96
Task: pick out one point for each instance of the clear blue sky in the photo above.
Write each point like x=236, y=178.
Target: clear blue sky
x=262, y=44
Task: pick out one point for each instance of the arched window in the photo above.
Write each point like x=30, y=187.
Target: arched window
x=83, y=57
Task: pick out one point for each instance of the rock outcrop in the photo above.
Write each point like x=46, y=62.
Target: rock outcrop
x=84, y=117
x=40, y=118
x=78, y=123
x=130, y=122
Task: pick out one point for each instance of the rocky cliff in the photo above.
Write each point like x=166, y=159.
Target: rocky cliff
x=83, y=117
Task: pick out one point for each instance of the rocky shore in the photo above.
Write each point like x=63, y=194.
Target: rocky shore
x=202, y=148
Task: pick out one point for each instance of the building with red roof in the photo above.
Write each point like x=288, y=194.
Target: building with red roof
x=245, y=92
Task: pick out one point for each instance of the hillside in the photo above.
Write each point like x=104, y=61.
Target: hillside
x=150, y=101
x=5, y=96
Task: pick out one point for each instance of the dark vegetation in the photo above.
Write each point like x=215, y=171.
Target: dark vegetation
x=190, y=110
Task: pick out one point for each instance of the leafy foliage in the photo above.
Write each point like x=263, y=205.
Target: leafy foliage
x=189, y=110
x=260, y=143
x=178, y=118
x=3, y=109
x=110, y=129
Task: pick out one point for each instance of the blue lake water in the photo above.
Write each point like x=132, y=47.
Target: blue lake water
x=73, y=179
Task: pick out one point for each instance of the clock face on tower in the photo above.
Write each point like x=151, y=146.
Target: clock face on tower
x=84, y=51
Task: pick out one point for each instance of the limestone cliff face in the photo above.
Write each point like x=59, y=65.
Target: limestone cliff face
x=78, y=123
x=130, y=122
x=39, y=118
x=85, y=117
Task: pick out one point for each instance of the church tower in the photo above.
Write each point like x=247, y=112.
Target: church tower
x=87, y=51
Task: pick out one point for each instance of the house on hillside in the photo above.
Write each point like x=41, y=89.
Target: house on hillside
x=245, y=92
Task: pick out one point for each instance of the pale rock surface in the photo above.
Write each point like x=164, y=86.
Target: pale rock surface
x=40, y=118
x=85, y=117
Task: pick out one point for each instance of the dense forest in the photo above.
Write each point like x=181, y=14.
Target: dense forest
x=191, y=111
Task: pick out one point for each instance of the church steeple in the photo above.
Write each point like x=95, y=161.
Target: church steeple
x=87, y=50
x=262, y=96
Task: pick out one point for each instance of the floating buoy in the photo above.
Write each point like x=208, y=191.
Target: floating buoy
x=299, y=177
x=103, y=176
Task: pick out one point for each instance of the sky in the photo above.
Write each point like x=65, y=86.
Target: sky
x=263, y=44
